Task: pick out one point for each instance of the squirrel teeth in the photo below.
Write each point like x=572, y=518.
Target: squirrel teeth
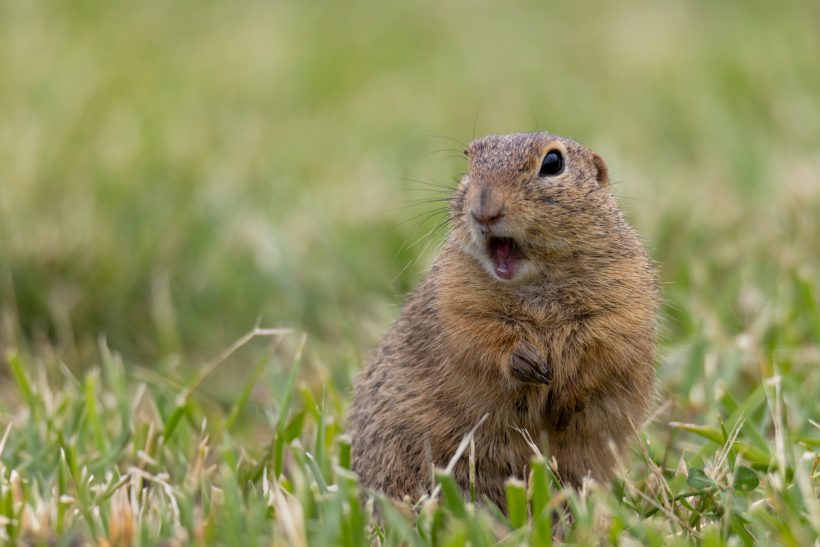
x=506, y=255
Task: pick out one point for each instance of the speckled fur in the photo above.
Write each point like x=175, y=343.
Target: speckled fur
x=564, y=350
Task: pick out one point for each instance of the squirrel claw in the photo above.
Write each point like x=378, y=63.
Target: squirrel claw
x=527, y=366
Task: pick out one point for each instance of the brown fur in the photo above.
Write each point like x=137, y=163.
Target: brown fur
x=564, y=349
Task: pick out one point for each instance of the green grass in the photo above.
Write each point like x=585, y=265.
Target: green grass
x=174, y=174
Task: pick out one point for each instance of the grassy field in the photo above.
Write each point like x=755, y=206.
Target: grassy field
x=210, y=212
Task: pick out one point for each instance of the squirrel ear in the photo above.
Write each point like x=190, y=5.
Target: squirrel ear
x=602, y=172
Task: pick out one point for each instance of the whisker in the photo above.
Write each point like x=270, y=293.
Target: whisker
x=461, y=144
x=440, y=150
x=452, y=157
x=440, y=192
x=477, y=112
x=422, y=181
x=411, y=261
x=431, y=200
x=424, y=218
x=418, y=226
x=423, y=237
x=406, y=243
x=432, y=232
x=438, y=210
x=419, y=203
x=535, y=119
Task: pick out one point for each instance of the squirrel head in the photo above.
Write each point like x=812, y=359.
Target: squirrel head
x=528, y=199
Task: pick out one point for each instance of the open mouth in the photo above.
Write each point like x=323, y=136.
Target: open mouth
x=506, y=256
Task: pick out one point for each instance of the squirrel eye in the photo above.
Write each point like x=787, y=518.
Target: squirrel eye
x=552, y=164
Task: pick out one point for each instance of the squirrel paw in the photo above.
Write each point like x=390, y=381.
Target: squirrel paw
x=560, y=414
x=527, y=366
x=559, y=419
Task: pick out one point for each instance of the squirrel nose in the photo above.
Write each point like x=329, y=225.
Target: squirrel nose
x=486, y=217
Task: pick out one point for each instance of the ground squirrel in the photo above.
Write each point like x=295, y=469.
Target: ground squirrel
x=539, y=311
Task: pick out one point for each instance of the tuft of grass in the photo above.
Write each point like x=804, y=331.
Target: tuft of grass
x=102, y=458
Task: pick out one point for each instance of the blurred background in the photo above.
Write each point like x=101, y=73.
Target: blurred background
x=173, y=172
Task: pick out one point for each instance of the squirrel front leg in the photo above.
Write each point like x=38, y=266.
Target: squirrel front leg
x=562, y=404
x=503, y=346
x=573, y=385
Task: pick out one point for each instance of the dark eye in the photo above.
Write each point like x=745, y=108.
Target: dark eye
x=552, y=165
